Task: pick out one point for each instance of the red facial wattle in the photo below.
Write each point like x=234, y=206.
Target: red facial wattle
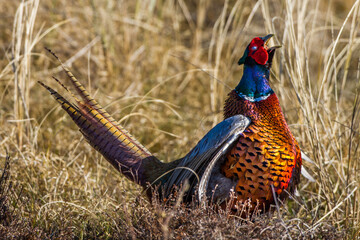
x=257, y=51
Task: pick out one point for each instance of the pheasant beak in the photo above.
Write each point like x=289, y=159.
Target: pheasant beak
x=267, y=38
x=271, y=50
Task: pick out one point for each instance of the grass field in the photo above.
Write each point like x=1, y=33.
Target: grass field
x=164, y=68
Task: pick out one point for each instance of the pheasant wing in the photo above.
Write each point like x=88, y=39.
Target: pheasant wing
x=198, y=165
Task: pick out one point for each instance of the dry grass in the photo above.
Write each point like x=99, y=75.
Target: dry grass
x=148, y=63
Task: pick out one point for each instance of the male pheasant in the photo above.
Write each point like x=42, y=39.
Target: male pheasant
x=251, y=155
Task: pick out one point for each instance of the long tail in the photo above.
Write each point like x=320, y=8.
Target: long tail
x=102, y=131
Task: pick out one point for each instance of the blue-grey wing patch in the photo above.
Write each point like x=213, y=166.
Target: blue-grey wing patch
x=200, y=162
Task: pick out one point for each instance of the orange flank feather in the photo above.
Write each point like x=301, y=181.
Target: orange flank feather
x=266, y=154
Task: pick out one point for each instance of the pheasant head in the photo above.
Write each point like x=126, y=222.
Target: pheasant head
x=258, y=52
x=257, y=60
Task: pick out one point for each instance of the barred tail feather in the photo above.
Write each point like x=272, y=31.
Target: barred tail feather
x=93, y=104
x=106, y=135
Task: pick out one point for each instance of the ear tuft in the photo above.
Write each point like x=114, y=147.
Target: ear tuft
x=243, y=58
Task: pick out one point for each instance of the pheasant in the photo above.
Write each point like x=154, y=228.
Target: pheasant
x=250, y=156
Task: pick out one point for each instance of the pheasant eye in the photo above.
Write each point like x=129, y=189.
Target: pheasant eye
x=254, y=48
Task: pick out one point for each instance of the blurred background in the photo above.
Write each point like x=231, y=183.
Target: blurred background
x=163, y=68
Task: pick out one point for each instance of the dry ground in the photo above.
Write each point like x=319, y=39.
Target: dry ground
x=163, y=68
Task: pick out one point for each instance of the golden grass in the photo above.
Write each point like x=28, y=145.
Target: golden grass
x=164, y=68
